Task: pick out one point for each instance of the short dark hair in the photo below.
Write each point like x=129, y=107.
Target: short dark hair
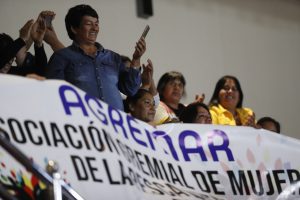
x=5, y=41
x=190, y=112
x=214, y=101
x=75, y=15
x=167, y=77
x=264, y=120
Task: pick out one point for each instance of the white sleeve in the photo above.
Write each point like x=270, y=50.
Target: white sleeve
x=156, y=100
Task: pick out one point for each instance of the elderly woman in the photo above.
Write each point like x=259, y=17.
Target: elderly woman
x=171, y=89
x=226, y=104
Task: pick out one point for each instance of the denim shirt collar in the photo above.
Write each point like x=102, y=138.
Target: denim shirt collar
x=224, y=110
x=76, y=47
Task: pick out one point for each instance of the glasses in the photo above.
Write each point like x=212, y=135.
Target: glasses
x=203, y=117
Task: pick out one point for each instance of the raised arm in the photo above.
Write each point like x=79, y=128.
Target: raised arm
x=50, y=36
x=140, y=49
x=147, y=78
x=25, y=32
x=148, y=81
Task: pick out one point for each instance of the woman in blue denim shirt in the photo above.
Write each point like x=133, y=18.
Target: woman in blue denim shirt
x=88, y=65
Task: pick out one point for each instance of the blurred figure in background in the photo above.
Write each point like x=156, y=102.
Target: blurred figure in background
x=269, y=123
x=28, y=64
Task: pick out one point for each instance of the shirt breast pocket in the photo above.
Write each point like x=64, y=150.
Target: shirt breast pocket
x=110, y=71
x=81, y=70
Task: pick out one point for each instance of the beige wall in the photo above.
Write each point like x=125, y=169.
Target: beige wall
x=256, y=40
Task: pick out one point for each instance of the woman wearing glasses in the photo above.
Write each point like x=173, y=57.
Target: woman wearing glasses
x=196, y=113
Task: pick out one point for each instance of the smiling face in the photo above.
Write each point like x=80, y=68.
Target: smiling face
x=143, y=109
x=88, y=30
x=229, y=95
x=173, y=91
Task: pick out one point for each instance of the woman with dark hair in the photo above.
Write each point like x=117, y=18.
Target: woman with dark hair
x=196, y=113
x=141, y=106
x=226, y=104
x=171, y=89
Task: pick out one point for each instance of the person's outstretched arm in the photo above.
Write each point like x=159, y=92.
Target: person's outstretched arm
x=50, y=36
x=130, y=77
x=20, y=43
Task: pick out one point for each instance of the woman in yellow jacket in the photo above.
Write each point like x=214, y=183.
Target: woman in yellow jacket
x=226, y=104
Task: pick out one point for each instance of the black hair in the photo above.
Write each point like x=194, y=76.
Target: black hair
x=214, y=101
x=167, y=77
x=131, y=100
x=75, y=15
x=190, y=112
x=264, y=120
x=5, y=41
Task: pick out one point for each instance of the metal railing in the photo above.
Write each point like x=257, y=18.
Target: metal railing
x=53, y=183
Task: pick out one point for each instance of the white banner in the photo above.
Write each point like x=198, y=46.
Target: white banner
x=104, y=153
